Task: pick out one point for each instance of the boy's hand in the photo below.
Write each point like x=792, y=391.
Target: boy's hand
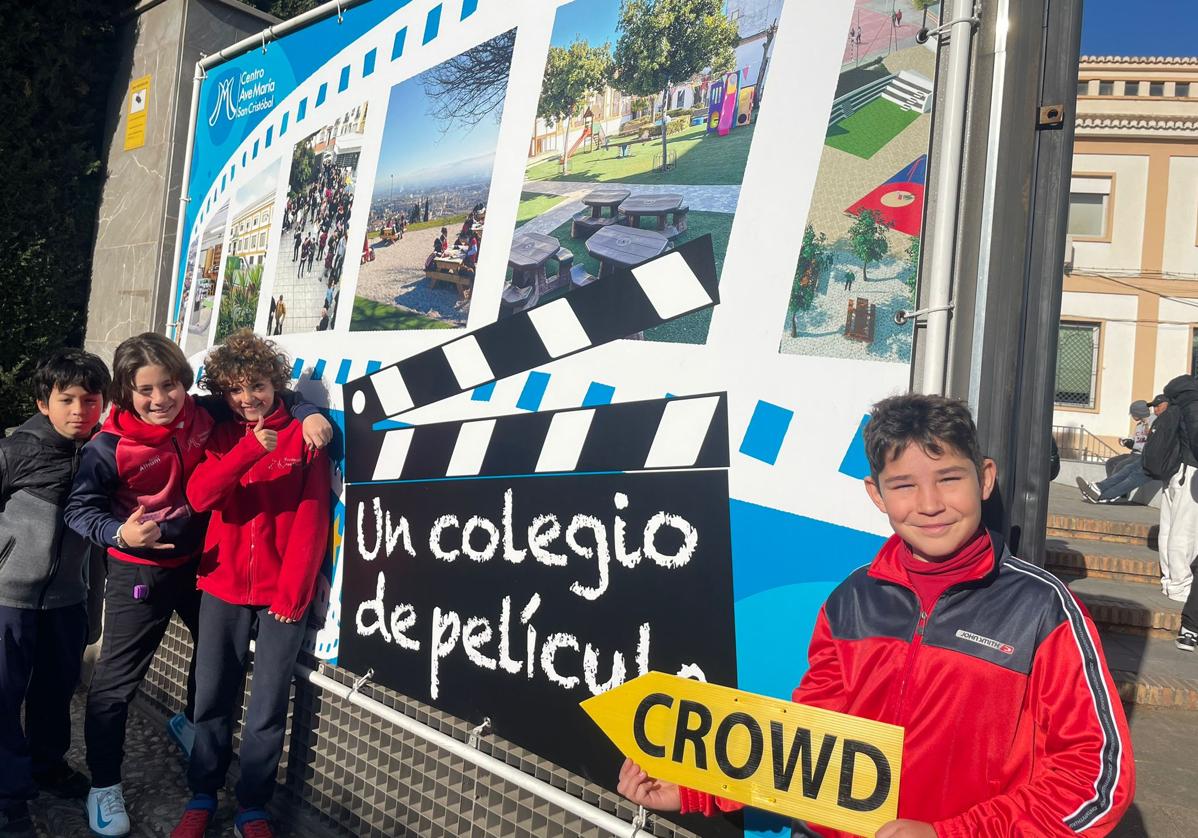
x=317, y=431
x=280, y=617
x=141, y=534
x=645, y=791
x=268, y=438
x=906, y=829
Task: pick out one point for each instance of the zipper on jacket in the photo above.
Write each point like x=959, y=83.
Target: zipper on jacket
x=916, y=641
x=41, y=600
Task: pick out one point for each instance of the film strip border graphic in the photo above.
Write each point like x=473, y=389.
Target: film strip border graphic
x=621, y=305
x=312, y=93
x=681, y=433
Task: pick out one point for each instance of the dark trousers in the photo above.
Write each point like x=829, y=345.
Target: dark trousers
x=223, y=652
x=133, y=628
x=40, y=653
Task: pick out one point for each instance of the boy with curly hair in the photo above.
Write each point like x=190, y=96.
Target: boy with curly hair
x=268, y=494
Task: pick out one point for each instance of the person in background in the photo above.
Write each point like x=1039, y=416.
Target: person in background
x=1129, y=474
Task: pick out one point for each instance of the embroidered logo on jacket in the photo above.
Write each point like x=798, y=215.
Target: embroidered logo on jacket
x=1005, y=648
x=150, y=463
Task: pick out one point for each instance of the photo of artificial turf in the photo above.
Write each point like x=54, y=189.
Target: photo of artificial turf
x=867, y=131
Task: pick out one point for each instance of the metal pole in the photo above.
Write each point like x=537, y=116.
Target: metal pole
x=171, y=323
x=515, y=776
x=948, y=179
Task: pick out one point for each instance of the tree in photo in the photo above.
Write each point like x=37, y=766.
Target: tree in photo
x=867, y=238
x=239, y=301
x=912, y=254
x=303, y=167
x=470, y=86
x=814, y=256
x=571, y=76
x=924, y=5
x=668, y=42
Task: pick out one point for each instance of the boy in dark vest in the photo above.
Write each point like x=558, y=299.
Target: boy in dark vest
x=43, y=584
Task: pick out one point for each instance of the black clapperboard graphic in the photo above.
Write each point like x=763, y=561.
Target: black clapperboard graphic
x=510, y=567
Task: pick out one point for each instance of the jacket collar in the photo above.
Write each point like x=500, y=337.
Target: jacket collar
x=39, y=427
x=126, y=423
x=888, y=567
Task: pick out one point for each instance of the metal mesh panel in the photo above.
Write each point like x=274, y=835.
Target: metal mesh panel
x=1077, y=365
x=367, y=778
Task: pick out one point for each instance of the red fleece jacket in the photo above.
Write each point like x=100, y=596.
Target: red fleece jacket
x=270, y=515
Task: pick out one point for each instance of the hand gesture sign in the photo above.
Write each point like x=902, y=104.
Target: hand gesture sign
x=268, y=438
x=142, y=534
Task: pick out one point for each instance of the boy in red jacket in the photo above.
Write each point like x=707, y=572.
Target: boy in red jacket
x=1013, y=725
x=269, y=498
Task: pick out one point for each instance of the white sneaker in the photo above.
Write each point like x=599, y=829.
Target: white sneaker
x=106, y=813
x=182, y=732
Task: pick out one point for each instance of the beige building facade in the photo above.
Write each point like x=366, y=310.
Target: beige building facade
x=1129, y=310
x=250, y=234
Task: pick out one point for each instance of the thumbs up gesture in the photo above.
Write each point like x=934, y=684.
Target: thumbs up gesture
x=269, y=439
x=142, y=534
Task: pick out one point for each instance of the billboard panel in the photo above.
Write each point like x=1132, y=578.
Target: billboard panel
x=510, y=253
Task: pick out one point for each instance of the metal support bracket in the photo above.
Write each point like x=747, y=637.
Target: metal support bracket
x=361, y=682
x=926, y=34
x=901, y=316
x=480, y=729
x=639, y=822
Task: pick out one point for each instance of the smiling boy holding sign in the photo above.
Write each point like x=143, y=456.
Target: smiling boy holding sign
x=1012, y=723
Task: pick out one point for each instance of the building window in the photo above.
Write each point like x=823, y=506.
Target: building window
x=1131, y=88
x=1182, y=89
x=1106, y=88
x=1089, y=199
x=1157, y=88
x=1077, y=365
x=1083, y=87
x=1193, y=351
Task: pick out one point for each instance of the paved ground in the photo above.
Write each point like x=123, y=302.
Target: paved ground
x=155, y=786
x=879, y=34
x=396, y=277
x=1165, y=742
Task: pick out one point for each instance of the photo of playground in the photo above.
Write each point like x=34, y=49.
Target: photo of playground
x=860, y=251
x=249, y=236
x=428, y=211
x=629, y=160
x=314, y=232
x=206, y=277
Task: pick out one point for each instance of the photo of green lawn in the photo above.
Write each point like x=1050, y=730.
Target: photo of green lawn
x=619, y=143
x=867, y=131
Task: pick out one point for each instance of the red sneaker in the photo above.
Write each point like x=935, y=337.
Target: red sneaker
x=196, y=818
x=252, y=823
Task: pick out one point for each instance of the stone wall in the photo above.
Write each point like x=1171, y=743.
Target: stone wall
x=134, y=255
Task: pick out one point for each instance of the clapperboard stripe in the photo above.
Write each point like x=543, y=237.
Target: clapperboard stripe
x=680, y=433
x=623, y=304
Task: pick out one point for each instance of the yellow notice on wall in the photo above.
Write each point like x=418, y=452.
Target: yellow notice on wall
x=139, y=106
x=828, y=768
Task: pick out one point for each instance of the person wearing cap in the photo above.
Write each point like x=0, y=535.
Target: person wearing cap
x=1128, y=475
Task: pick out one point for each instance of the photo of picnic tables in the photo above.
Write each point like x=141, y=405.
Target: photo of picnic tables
x=624, y=247
x=613, y=240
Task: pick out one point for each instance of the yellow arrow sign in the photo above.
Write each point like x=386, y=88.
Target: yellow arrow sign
x=828, y=768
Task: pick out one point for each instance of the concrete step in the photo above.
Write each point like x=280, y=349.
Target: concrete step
x=1070, y=517
x=1083, y=557
x=1128, y=607
x=1152, y=671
